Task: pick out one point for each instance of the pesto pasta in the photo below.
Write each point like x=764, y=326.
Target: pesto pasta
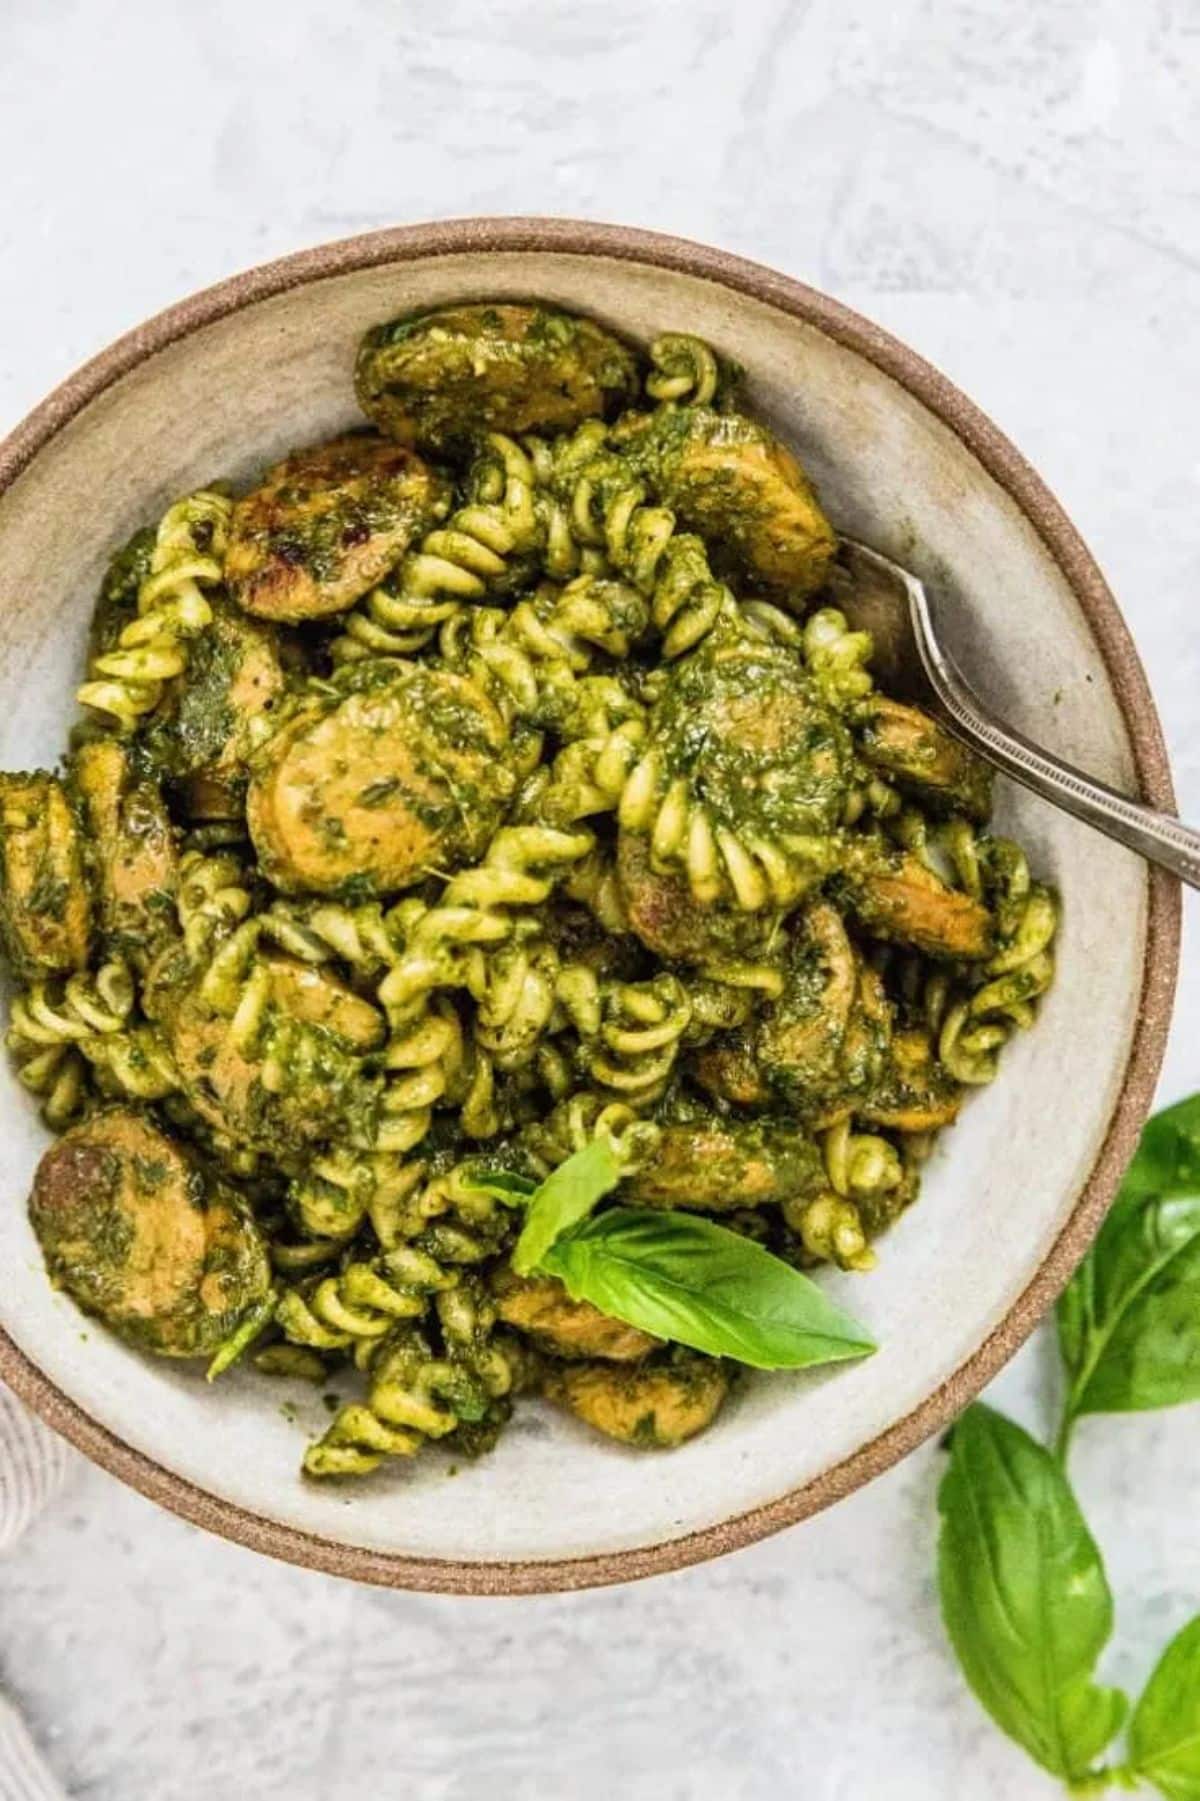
x=484, y=787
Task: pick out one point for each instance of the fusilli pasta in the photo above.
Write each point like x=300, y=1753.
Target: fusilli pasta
x=528, y=791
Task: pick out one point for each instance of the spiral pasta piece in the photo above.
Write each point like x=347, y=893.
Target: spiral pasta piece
x=763, y=619
x=417, y=1394
x=332, y=1196
x=189, y=548
x=610, y=510
x=57, y=1028
x=453, y=1197
x=725, y=1005
x=837, y=657
x=860, y=1164
x=135, y=1063
x=463, y=561
x=591, y=775
x=81, y=1007
x=57, y=1076
x=974, y=1022
x=521, y=868
x=831, y=1230
x=363, y=1301
x=425, y=1064
x=630, y=1032
x=357, y=1442
x=515, y=991
x=641, y=1030
x=534, y=661
x=685, y=370
x=319, y=932
x=213, y=898
x=579, y=1118
x=594, y=882
x=527, y=992
x=562, y=555
x=444, y=1214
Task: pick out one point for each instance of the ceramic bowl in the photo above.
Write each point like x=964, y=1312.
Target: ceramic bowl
x=241, y=373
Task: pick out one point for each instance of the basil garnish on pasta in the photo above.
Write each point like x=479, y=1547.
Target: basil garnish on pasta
x=566, y=1196
x=685, y=1279
x=674, y=1275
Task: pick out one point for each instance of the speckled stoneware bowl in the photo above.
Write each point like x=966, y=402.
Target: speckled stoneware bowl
x=237, y=375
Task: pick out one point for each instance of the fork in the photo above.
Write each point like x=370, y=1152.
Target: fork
x=911, y=662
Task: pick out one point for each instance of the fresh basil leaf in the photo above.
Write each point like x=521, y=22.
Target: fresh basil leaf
x=1024, y=1594
x=683, y=1278
x=1129, y=1320
x=566, y=1196
x=1164, y=1734
x=1167, y=1161
x=511, y=1190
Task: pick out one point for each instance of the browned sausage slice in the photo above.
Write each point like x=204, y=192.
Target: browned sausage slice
x=327, y=524
x=135, y=1233
x=651, y=1406
x=445, y=376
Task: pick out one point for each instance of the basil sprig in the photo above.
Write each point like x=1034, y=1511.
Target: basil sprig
x=1023, y=1590
x=683, y=1278
x=676, y=1275
x=1164, y=1734
x=1167, y=1160
x=1024, y=1594
x=1129, y=1321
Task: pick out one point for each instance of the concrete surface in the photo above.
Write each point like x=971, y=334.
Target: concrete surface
x=1014, y=190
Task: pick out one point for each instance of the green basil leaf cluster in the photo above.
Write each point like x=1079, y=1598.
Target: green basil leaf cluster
x=1024, y=1594
x=676, y=1275
x=683, y=1278
x=1164, y=1734
x=1129, y=1320
x=1023, y=1589
x=1167, y=1160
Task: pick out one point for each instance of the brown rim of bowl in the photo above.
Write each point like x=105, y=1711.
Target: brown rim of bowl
x=1010, y=470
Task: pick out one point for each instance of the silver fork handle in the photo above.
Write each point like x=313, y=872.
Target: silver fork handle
x=1159, y=837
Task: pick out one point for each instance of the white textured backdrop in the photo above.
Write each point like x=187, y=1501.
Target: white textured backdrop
x=1016, y=191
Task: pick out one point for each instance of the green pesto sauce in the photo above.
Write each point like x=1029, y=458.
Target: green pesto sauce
x=49, y=893
x=449, y=375
x=425, y=751
x=756, y=742
x=200, y=726
x=116, y=604
x=89, y=1233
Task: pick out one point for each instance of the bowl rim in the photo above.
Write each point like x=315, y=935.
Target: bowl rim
x=1011, y=472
